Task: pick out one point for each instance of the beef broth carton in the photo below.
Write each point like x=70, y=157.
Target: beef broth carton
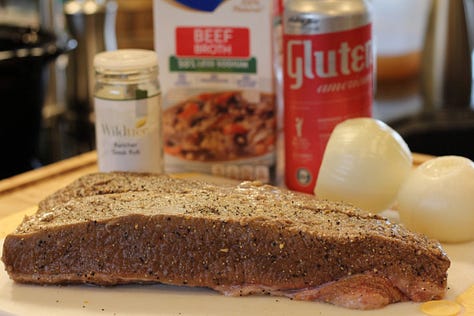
x=216, y=72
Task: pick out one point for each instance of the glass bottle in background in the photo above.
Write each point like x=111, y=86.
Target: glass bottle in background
x=127, y=105
x=399, y=32
x=399, y=28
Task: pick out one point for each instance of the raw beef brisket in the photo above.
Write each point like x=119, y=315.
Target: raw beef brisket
x=117, y=228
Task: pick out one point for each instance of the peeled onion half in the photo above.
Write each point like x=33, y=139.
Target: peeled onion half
x=364, y=163
x=437, y=199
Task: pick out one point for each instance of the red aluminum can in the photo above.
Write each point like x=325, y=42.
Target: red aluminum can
x=328, y=76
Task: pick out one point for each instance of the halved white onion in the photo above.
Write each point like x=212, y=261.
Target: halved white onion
x=364, y=163
x=437, y=199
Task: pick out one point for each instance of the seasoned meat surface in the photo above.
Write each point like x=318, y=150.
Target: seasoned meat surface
x=118, y=228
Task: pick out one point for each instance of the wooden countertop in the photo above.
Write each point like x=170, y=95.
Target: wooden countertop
x=27, y=189
x=19, y=195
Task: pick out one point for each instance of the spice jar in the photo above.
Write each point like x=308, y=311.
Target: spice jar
x=127, y=105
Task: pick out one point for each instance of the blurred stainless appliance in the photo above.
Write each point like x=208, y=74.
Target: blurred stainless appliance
x=445, y=126
x=447, y=56
x=92, y=24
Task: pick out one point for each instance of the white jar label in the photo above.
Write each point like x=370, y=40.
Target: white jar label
x=128, y=135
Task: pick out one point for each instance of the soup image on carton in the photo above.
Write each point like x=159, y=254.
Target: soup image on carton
x=220, y=126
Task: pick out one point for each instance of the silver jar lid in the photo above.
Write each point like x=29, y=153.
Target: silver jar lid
x=125, y=60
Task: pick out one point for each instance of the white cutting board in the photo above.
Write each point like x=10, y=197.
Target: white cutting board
x=20, y=299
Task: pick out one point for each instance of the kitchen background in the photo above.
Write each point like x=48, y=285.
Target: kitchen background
x=430, y=105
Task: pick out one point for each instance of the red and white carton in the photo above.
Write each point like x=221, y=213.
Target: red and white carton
x=216, y=72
